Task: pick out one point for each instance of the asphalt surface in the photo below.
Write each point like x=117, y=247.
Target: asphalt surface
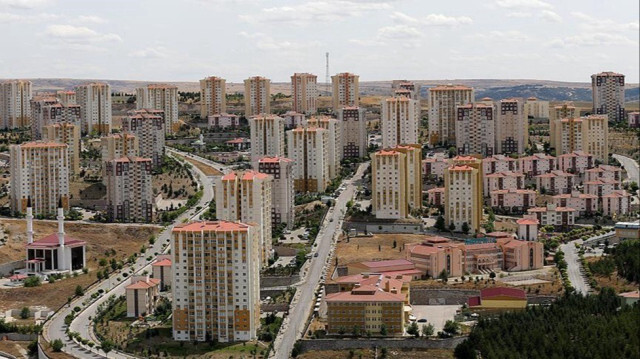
x=631, y=166
x=302, y=304
x=577, y=279
x=55, y=327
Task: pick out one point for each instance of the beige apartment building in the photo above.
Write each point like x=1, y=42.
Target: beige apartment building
x=129, y=192
x=160, y=97
x=463, y=193
x=346, y=90
x=267, y=137
x=396, y=181
x=161, y=269
x=257, y=96
x=443, y=102
x=213, y=96
x=49, y=110
x=148, y=127
x=475, y=130
x=142, y=295
x=216, y=282
x=534, y=108
x=511, y=127
x=354, y=132
x=588, y=134
x=309, y=149
x=246, y=197
x=608, y=95
x=119, y=145
x=69, y=134
x=283, y=199
x=536, y=164
x=40, y=172
x=334, y=143
x=95, y=104
x=294, y=119
x=499, y=163
x=557, y=114
x=406, y=87
x=400, y=120
x=15, y=104
x=304, y=91
x=555, y=182
x=576, y=162
x=67, y=97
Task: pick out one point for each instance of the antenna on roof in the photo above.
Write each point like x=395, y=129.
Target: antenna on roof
x=326, y=76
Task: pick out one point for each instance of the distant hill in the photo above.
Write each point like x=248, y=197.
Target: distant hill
x=494, y=88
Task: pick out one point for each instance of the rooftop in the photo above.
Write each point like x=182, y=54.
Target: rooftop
x=217, y=226
x=51, y=241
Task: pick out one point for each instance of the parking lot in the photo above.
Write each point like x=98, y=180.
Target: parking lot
x=434, y=314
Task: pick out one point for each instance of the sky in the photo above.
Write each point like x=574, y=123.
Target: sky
x=186, y=40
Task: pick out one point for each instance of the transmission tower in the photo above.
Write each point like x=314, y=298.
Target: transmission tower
x=326, y=77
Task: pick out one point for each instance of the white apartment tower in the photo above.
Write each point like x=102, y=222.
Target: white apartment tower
x=148, y=127
x=511, y=127
x=334, y=142
x=400, y=120
x=67, y=97
x=69, y=134
x=213, y=96
x=40, y=171
x=396, y=181
x=304, y=92
x=463, y=193
x=267, y=137
x=119, y=145
x=257, y=96
x=283, y=199
x=129, y=190
x=215, y=281
x=608, y=95
x=354, y=132
x=95, y=104
x=246, y=197
x=475, y=129
x=160, y=97
x=308, y=148
x=346, y=90
x=442, y=102
x=15, y=106
x=49, y=110
x=534, y=108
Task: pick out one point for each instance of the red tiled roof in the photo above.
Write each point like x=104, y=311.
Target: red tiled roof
x=222, y=226
x=527, y=221
x=165, y=262
x=51, y=241
x=366, y=294
x=634, y=294
x=151, y=282
x=274, y=159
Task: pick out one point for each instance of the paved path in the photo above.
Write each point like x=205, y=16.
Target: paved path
x=55, y=327
x=631, y=166
x=302, y=304
x=577, y=279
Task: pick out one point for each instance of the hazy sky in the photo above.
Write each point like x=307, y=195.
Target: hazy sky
x=185, y=40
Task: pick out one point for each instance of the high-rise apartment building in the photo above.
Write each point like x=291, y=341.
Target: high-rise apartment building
x=608, y=95
x=346, y=90
x=95, y=104
x=354, y=132
x=49, y=110
x=148, y=126
x=463, y=193
x=215, y=281
x=304, y=92
x=396, y=181
x=442, y=102
x=558, y=113
x=283, y=199
x=213, y=96
x=400, y=120
x=334, y=141
x=588, y=134
x=67, y=97
x=129, y=190
x=69, y=134
x=160, y=97
x=534, y=108
x=39, y=171
x=15, y=106
x=308, y=148
x=257, y=96
x=404, y=85
x=511, y=127
x=246, y=197
x=119, y=145
x=267, y=137
x=475, y=129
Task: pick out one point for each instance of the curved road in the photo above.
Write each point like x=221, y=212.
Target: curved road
x=55, y=327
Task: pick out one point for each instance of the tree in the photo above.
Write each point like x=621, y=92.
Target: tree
x=465, y=228
x=452, y=152
x=79, y=291
x=383, y=329
x=440, y=225
x=452, y=227
x=33, y=281
x=492, y=275
x=57, y=345
x=24, y=313
x=427, y=330
x=413, y=329
x=633, y=186
x=355, y=331
x=395, y=244
x=451, y=327
x=106, y=346
x=444, y=276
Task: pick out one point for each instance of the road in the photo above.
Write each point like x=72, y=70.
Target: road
x=302, y=304
x=577, y=279
x=55, y=327
x=631, y=166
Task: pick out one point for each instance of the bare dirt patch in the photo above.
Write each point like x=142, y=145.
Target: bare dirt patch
x=391, y=353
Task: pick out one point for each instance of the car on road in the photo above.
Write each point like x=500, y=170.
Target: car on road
x=315, y=255
x=422, y=320
x=331, y=220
